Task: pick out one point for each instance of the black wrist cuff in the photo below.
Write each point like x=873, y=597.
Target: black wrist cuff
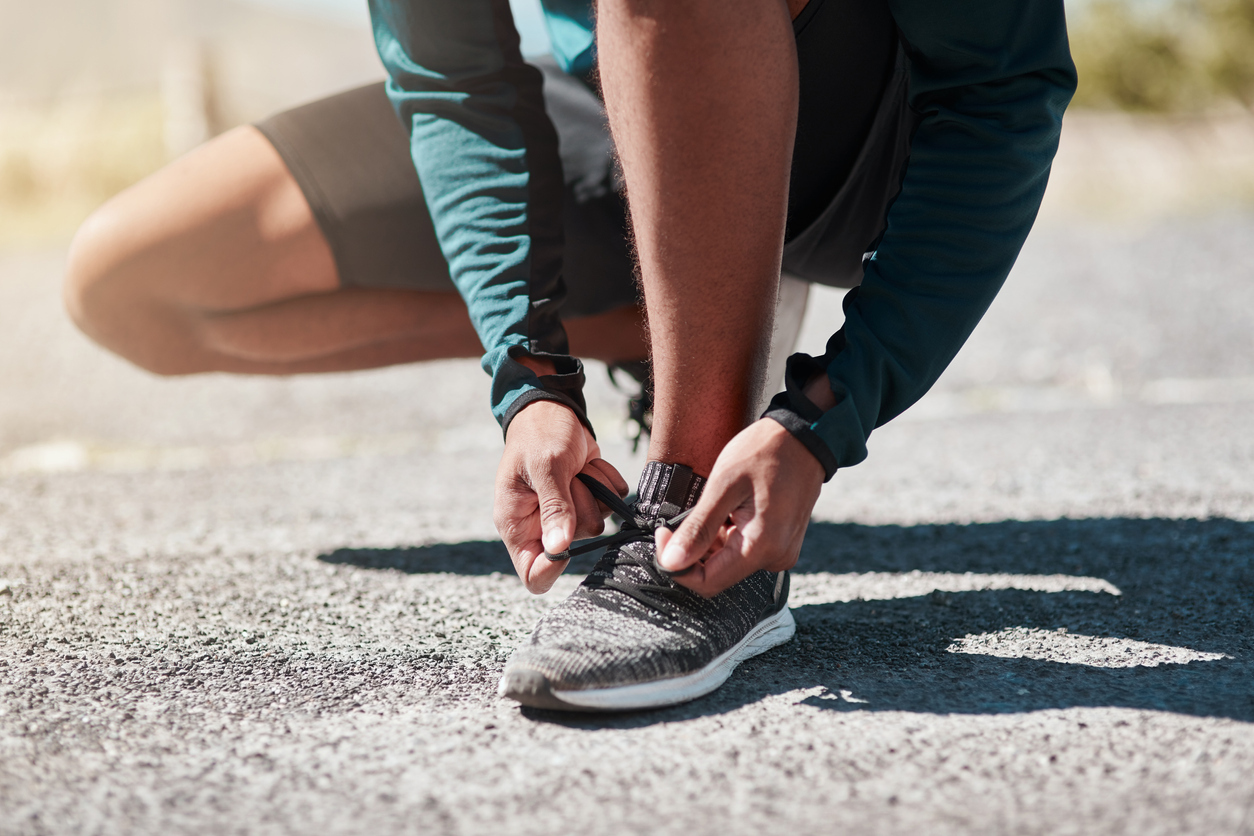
x=565, y=387
x=800, y=430
x=796, y=413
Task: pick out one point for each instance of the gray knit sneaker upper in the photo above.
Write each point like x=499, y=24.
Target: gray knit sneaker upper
x=629, y=623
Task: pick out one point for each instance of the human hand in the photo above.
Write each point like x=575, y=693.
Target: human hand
x=752, y=514
x=540, y=506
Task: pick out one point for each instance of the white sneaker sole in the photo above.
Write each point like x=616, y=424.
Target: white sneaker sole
x=533, y=690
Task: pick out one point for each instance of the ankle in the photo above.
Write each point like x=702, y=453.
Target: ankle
x=668, y=489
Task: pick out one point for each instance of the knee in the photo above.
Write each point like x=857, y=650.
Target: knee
x=106, y=294
x=95, y=271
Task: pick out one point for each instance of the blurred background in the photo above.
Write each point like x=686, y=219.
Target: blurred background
x=94, y=94
x=1134, y=289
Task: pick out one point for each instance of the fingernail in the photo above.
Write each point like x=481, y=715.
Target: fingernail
x=661, y=537
x=671, y=558
x=552, y=539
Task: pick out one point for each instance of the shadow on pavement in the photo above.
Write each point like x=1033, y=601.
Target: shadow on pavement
x=472, y=558
x=476, y=557
x=1184, y=583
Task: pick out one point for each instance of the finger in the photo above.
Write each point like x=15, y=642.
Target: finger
x=589, y=514
x=695, y=535
x=521, y=536
x=534, y=568
x=604, y=478
x=724, y=568
x=557, y=508
x=661, y=536
x=605, y=472
x=741, y=556
x=541, y=572
x=517, y=518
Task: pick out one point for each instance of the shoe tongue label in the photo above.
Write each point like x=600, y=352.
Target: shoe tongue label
x=668, y=489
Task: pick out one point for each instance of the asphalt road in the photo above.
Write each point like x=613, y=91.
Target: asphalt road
x=277, y=606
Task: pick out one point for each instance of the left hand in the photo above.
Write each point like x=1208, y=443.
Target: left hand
x=752, y=514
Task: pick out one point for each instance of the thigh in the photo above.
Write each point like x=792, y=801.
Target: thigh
x=222, y=228
x=350, y=156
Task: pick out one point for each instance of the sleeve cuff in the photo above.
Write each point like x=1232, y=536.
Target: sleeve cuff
x=564, y=387
x=798, y=414
x=801, y=431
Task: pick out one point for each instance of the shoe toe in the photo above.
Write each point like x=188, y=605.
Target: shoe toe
x=531, y=688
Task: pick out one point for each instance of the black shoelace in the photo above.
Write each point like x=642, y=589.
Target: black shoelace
x=635, y=529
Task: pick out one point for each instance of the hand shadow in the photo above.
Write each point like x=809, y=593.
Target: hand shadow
x=475, y=557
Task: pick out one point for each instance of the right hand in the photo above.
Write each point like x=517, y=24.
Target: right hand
x=540, y=505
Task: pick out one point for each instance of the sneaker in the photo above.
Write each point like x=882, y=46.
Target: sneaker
x=630, y=637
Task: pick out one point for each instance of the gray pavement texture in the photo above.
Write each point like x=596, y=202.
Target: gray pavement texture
x=278, y=606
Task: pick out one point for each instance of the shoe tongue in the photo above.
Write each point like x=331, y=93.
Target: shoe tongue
x=667, y=489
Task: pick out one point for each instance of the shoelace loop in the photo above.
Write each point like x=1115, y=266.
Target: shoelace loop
x=636, y=528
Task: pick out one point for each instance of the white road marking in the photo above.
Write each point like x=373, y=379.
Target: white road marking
x=831, y=588
x=1076, y=649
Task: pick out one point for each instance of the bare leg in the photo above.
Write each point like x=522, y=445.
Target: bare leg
x=216, y=263
x=702, y=100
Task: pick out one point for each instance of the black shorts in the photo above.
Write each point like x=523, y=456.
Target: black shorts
x=350, y=155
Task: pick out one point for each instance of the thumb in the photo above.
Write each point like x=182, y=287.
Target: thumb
x=557, y=512
x=695, y=535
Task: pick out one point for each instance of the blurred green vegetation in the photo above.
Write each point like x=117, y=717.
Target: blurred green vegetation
x=1168, y=56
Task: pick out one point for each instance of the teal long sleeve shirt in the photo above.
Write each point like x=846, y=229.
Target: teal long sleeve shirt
x=989, y=82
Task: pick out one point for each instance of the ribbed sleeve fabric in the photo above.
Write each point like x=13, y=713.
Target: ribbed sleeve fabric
x=487, y=156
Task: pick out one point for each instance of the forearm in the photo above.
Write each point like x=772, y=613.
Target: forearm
x=990, y=88
x=486, y=155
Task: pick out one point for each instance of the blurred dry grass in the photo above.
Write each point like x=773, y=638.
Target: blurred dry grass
x=59, y=161
x=96, y=94
x=1134, y=167
x=1163, y=121
x=86, y=107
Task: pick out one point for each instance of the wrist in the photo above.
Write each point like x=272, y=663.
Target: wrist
x=796, y=426
x=545, y=418
x=797, y=456
x=557, y=378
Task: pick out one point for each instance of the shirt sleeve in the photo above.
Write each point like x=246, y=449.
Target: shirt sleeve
x=571, y=34
x=487, y=157
x=989, y=82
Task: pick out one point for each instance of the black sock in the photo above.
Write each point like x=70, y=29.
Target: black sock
x=668, y=489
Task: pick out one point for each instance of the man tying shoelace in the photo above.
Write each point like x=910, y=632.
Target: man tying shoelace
x=896, y=147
